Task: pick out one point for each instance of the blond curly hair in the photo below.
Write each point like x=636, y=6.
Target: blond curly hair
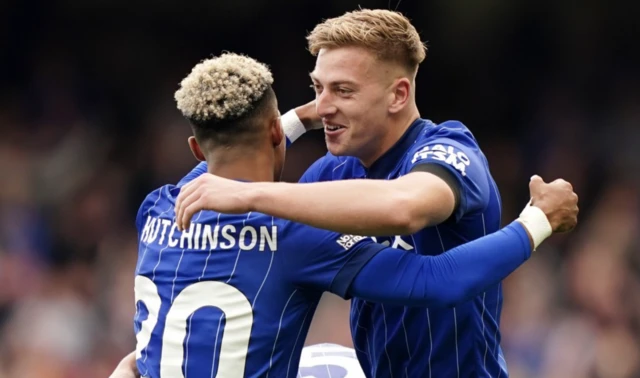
x=387, y=33
x=223, y=88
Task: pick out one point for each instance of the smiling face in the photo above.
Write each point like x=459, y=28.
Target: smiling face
x=364, y=79
x=352, y=95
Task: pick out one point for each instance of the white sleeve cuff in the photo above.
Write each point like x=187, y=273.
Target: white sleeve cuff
x=293, y=127
x=536, y=222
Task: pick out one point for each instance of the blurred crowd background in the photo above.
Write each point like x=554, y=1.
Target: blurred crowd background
x=88, y=126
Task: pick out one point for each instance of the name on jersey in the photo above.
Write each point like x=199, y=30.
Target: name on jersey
x=164, y=232
x=448, y=154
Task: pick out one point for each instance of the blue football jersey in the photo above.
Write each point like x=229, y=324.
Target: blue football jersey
x=233, y=296
x=463, y=341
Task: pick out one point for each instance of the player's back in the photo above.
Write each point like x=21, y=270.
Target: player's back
x=210, y=301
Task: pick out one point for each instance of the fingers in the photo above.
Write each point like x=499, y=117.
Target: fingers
x=563, y=183
x=535, y=184
x=186, y=210
x=189, y=210
x=185, y=192
x=188, y=195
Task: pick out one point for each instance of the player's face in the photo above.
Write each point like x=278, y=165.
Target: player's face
x=353, y=92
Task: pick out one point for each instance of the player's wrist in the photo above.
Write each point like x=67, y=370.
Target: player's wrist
x=257, y=196
x=292, y=125
x=536, y=224
x=309, y=116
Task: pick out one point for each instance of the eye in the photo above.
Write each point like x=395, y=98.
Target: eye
x=316, y=87
x=344, y=91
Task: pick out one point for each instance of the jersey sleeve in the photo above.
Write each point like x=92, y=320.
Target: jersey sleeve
x=454, y=149
x=195, y=173
x=324, y=260
x=143, y=211
x=396, y=277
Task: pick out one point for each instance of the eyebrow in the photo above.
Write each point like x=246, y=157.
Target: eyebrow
x=334, y=83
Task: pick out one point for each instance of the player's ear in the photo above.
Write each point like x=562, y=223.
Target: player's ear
x=277, y=134
x=400, y=94
x=195, y=149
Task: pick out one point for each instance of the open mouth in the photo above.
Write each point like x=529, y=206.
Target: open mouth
x=330, y=127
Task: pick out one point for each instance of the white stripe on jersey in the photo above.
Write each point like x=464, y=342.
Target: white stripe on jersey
x=484, y=295
x=235, y=265
x=318, y=361
x=386, y=339
x=366, y=334
x=297, y=338
x=278, y=333
x=206, y=262
x=455, y=318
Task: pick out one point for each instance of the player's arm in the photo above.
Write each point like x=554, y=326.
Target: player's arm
x=395, y=277
x=295, y=122
x=446, y=177
x=362, y=207
x=127, y=367
x=354, y=266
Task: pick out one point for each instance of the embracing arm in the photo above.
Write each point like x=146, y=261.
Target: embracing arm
x=396, y=277
x=363, y=207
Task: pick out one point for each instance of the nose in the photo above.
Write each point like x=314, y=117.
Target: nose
x=324, y=104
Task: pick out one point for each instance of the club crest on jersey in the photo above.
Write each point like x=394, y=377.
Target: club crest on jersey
x=448, y=154
x=348, y=241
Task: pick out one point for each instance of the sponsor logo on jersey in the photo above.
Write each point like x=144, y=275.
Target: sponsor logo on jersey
x=348, y=241
x=448, y=154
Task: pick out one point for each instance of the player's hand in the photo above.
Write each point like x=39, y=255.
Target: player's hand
x=124, y=373
x=557, y=200
x=126, y=368
x=309, y=116
x=210, y=192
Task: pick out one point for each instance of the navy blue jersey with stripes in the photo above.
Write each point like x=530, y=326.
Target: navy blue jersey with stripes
x=398, y=341
x=233, y=296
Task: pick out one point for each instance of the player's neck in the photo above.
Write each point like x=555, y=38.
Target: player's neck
x=396, y=127
x=241, y=165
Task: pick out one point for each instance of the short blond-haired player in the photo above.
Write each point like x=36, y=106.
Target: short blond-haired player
x=414, y=184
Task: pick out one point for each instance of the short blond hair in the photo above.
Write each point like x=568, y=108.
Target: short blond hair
x=223, y=88
x=387, y=33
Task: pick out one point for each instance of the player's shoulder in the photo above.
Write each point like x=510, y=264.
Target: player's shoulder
x=159, y=198
x=452, y=130
x=446, y=141
x=162, y=194
x=331, y=167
